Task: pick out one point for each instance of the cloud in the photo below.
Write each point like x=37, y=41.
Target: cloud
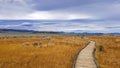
x=61, y=15
x=62, y=26
x=29, y=9
x=84, y=9
x=100, y=10
x=25, y=24
x=21, y=25
x=44, y=15
x=117, y=27
x=14, y=8
x=49, y=15
x=46, y=5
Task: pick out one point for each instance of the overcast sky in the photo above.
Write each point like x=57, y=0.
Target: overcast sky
x=61, y=15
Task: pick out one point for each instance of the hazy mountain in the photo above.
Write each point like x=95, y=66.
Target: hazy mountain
x=25, y=31
x=76, y=32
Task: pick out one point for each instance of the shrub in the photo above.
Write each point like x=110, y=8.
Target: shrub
x=40, y=44
x=101, y=48
x=35, y=44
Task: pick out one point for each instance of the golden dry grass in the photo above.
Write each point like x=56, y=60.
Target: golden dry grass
x=56, y=51
x=53, y=52
x=109, y=55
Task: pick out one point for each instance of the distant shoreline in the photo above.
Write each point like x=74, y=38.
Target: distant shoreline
x=14, y=32
x=47, y=34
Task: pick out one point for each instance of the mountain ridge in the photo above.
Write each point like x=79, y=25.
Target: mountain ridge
x=54, y=32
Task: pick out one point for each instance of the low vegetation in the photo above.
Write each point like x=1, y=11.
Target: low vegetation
x=56, y=51
x=108, y=51
x=100, y=48
x=39, y=52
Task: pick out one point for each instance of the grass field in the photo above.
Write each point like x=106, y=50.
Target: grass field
x=108, y=51
x=56, y=51
x=39, y=51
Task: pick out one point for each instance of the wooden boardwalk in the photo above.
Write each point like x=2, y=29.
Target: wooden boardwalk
x=85, y=58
